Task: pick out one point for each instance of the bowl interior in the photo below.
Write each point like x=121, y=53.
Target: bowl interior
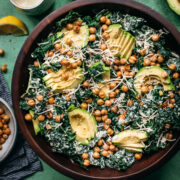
x=21, y=75
x=8, y=145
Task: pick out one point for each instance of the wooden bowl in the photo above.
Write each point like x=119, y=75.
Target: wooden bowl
x=20, y=80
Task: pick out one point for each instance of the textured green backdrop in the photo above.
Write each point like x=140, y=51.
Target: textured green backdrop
x=12, y=45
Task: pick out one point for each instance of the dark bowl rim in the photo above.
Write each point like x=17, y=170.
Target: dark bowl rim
x=16, y=77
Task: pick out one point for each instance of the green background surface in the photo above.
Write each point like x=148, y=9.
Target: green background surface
x=12, y=45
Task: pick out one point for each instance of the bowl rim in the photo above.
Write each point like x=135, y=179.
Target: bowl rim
x=16, y=76
x=15, y=130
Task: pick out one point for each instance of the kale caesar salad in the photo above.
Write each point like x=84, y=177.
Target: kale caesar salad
x=104, y=89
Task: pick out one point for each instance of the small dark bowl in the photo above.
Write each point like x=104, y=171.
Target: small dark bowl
x=20, y=79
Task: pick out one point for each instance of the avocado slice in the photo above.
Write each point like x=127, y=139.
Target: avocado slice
x=35, y=123
x=131, y=140
x=83, y=124
x=148, y=74
x=121, y=43
x=54, y=81
x=80, y=39
x=174, y=5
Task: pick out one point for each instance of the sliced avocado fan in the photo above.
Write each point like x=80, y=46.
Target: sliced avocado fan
x=80, y=39
x=35, y=123
x=121, y=43
x=55, y=82
x=131, y=140
x=174, y=5
x=147, y=75
x=83, y=124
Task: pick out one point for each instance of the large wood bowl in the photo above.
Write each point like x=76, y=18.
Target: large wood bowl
x=20, y=80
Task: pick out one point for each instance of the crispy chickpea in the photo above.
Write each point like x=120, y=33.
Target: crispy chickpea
x=105, y=147
x=106, y=126
x=1, y=124
x=5, y=136
x=102, y=94
x=1, y=52
x=169, y=136
x=172, y=101
x=116, y=68
x=150, y=87
x=65, y=76
x=127, y=67
x=41, y=117
x=141, y=103
x=108, y=121
x=36, y=63
x=172, y=67
x=49, y=70
x=138, y=156
x=57, y=46
x=58, y=119
x=167, y=126
x=103, y=47
x=160, y=59
x=112, y=94
x=2, y=140
x=92, y=30
x=105, y=35
x=104, y=27
x=122, y=116
x=62, y=51
x=108, y=103
x=39, y=97
x=51, y=100
x=92, y=37
x=124, y=88
x=31, y=102
x=132, y=74
x=108, y=62
x=112, y=85
x=126, y=74
x=132, y=59
x=78, y=22
x=104, y=112
x=153, y=58
x=117, y=61
x=147, y=62
x=84, y=105
x=96, y=155
x=119, y=74
x=50, y=53
x=114, y=109
x=5, y=126
x=108, y=22
x=49, y=115
x=64, y=62
x=7, y=131
x=96, y=90
x=142, y=52
x=171, y=95
x=68, y=98
x=97, y=113
x=164, y=74
x=157, y=64
x=103, y=19
x=97, y=149
x=123, y=61
x=1, y=147
x=76, y=29
x=69, y=26
x=85, y=156
x=70, y=53
x=155, y=37
x=98, y=118
x=104, y=118
x=86, y=162
x=179, y=92
x=153, y=64
x=6, y=118
x=1, y=132
x=79, y=63
x=170, y=105
x=122, y=68
x=129, y=102
x=89, y=100
x=1, y=110
x=112, y=147
x=110, y=131
x=100, y=142
x=176, y=75
x=105, y=153
x=100, y=102
x=28, y=117
x=4, y=68
x=85, y=84
x=69, y=41
x=144, y=89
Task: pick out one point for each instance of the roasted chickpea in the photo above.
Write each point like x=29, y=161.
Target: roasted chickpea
x=100, y=142
x=172, y=101
x=112, y=85
x=147, y=62
x=176, y=75
x=169, y=136
x=104, y=118
x=69, y=41
x=167, y=126
x=153, y=58
x=85, y=84
x=1, y=110
x=144, y=89
x=172, y=67
x=142, y=52
x=62, y=51
x=69, y=26
x=97, y=149
x=112, y=94
x=68, y=98
x=49, y=115
x=123, y=61
x=108, y=103
x=50, y=53
x=105, y=147
x=164, y=74
x=57, y=46
x=64, y=62
x=2, y=140
x=105, y=35
x=84, y=105
x=150, y=87
x=79, y=63
x=126, y=74
x=155, y=37
x=112, y=147
x=31, y=102
x=92, y=37
x=103, y=19
x=96, y=155
x=76, y=29
x=104, y=112
x=51, y=100
x=116, y=68
x=96, y=90
x=122, y=68
x=85, y=156
x=104, y=27
x=129, y=102
x=78, y=22
x=110, y=131
x=36, y=63
x=105, y=153
x=170, y=105
x=114, y=109
x=117, y=61
x=171, y=95
x=124, y=88
x=138, y=156
x=6, y=118
x=108, y=121
x=108, y=22
x=65, y=76
x=74, y=65
x=160, y=59
x=4, y=68
x=132, y=74
x=103, y=47
x=106, y=126
x=28, y=117
x=102, y=94
x=98, y=118
x=89, y=100
x=58, y=119
x=70, y=54
x=97, y=113
x=100, y=102
x=1, y=52
x=41, y=117
x=132, y=59
x=86, y=162
x=1, y=147
x=92, y=30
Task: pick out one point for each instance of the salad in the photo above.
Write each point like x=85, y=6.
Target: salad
x=104, y=89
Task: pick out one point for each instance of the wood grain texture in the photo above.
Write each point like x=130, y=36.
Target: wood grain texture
x=20, y=79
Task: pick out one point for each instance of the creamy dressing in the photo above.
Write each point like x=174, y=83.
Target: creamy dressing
x=27, y=3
